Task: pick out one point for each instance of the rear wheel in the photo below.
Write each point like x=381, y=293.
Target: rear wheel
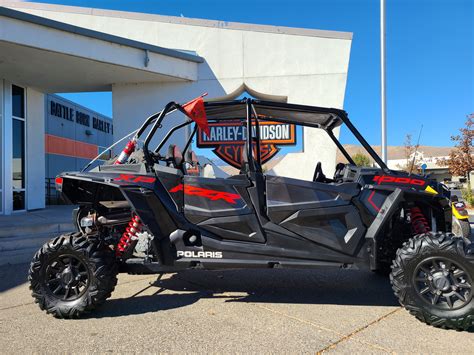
x=432, y=277
x=72, y=274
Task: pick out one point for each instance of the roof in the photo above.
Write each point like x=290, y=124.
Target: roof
x=312, y=116
x=22, y=16
x=226, y=25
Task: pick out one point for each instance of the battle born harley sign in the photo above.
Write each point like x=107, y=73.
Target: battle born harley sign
x=228, y=139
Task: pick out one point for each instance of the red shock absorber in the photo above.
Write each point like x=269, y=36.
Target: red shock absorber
x=134, y=226
x=419, y=223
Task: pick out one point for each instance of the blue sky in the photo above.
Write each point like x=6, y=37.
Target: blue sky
x=430, y=55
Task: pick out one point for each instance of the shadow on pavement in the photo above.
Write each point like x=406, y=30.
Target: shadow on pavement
x=143, y=304
x=338, y=287
x=13, y=275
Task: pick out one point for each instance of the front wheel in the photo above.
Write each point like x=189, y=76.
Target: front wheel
x=432, y=277
x=72, y=274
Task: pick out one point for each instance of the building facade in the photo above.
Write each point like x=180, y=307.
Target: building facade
x=74, y=135
x=145, y=61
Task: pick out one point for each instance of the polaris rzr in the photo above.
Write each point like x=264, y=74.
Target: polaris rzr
x=148, y=212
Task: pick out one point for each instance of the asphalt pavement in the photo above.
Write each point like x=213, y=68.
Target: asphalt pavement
x=271, y=311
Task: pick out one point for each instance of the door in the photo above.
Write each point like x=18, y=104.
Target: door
x=222, y=207
x=319, y=212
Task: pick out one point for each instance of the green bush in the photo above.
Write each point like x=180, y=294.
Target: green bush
x=467, y=194
x=361, y=159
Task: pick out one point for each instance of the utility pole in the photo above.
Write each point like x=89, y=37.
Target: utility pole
x=382, y=82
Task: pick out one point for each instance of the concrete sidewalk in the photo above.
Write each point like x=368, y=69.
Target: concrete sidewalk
x=23, y=233
x=258, y=311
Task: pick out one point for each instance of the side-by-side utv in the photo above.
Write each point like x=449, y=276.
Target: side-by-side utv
x=149, y=212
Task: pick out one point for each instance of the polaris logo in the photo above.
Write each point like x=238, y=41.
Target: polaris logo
x=200, y=254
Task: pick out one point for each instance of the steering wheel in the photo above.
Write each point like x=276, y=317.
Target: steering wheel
x=318, y=173
x=339, y=173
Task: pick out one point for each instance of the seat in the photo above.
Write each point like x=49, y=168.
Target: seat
x=191, y=164
x=318, y=173
x=245, y=167
x=339, y=172
x=174, y=157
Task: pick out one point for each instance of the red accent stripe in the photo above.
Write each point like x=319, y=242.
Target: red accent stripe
x=69, y=147
x=372, y=202
x=212, y=195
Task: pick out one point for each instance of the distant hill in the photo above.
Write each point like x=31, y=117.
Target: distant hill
x=395, y=151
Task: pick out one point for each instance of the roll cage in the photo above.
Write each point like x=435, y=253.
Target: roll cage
x=251, y=111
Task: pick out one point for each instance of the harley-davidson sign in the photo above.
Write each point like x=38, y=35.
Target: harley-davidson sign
x=228, y=139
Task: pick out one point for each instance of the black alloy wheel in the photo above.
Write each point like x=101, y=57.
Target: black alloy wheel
x=67, y=277
x=432, y=277
x=72, y=274
x=443, y=283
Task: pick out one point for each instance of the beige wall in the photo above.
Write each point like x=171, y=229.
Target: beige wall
x=35, y=149
x=305, y=66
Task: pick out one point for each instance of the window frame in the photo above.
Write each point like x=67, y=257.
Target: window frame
x=25, y=174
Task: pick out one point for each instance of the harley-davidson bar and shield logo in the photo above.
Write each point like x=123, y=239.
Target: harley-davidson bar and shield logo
x=228, y=139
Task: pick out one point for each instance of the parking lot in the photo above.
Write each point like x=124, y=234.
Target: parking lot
x=343, y=311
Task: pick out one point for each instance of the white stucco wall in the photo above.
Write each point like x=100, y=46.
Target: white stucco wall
x=35, y=149
x=307, y=67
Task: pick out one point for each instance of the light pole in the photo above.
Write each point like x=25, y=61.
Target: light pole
x=382, y=82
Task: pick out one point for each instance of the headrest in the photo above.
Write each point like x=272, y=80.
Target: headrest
x=191, y=157
x=340, y=166
x=174, y=154
x=244, y=157
x=244, y=168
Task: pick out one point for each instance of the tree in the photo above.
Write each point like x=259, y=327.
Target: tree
x=460, y=161
x=361, y=159
x=412, y=160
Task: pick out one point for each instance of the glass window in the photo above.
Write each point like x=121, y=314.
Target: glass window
x=18, y=145
x=18, y=101
x=18, y=200
x=105, y=154
x=18, y=154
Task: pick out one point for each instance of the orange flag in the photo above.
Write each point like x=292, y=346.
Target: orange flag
x=196, y=111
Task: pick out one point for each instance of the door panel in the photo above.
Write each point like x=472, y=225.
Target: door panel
x=286, y=196
x=243, y=227
x=338, y=228
x=319, y=212
x=221, y=206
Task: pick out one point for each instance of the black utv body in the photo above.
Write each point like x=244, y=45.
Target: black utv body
x=155, y=214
